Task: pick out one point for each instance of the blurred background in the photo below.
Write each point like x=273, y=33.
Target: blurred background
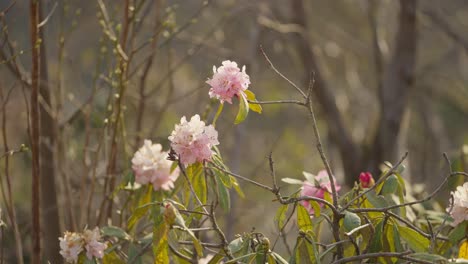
x=390, y=77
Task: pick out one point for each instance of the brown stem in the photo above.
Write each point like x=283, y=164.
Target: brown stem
x=35, y=130
x=49, y=207
x=146, y=70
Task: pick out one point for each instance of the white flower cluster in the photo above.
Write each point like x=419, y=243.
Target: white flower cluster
x=72, y=244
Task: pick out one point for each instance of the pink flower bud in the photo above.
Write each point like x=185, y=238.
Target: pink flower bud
x=366, y=180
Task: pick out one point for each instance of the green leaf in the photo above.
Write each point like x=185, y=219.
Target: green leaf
x=303, y=218
x=278, y=258
x=428, y=257
x=305, y=253
x=251, y=97
x=239, y=246
x=160, y=243
x=223, y=194
x=377, y=201
x=237, y=187
x=134, y=254
x=292, y=181
x=195, y=175
x=218, y=113
x=351, y=221
x=280, y=216
x=243, y=110
x=415, y=240
x=179, y=220
x=390, y=186
x=402, y=182
x=113, y=231
x=458, y=233
x=111, y=258
x=316, y=206
x=217, y=258
x=376, y=243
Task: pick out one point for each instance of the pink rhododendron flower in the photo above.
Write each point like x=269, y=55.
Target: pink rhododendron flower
x=151, y=165
x=71, y=245
x=459, y=211
x=94, y=248
x=317, y=187
x=366, y=180
x=228, y=81
x=193, y=141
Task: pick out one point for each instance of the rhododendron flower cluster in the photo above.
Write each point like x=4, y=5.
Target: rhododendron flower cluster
x=459, y=211
x=228, y=81
x=317, y=187
x=72, y=244
x=193, y=141
x=366, y=180
x=150, y=165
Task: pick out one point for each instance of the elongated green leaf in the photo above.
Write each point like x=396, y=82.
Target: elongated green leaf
x=458, y=233
x=134, y=254
x=303, y=218
x=243, y=110
x=376, y=243
x=351, y=221
x=429, y=257
x=179, y=220
x=160, y=244
x=316, y=206
x=113, y=231
x=223, y=194
x=195, y=174
x=251, y=97
x=218, y=113
x=280, y=216
x=415, y=240
x=251, y=257
x=217, y=258
x=278, y=258
x=305, y=253
x=292, y=181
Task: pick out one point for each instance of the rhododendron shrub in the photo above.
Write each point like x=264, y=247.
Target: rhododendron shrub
x=173, y=219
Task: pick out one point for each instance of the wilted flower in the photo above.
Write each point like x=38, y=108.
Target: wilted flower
x=193, y=141
x=94, y=248
x=459, y=211
x=366, y=180
x=71, y=245
x=228, y=81
x=316, y=186
x=151, y=165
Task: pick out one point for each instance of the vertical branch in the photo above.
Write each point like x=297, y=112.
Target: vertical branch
x=8, y=198
x=35, y=44
x=349, y=151
x=146, y=70
x=49, y=207
x=123, y=65
x=397, y=82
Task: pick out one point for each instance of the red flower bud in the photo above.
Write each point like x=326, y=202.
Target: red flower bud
x=366, y=180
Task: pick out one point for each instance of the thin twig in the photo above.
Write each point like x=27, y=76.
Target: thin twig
x=281, y=75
